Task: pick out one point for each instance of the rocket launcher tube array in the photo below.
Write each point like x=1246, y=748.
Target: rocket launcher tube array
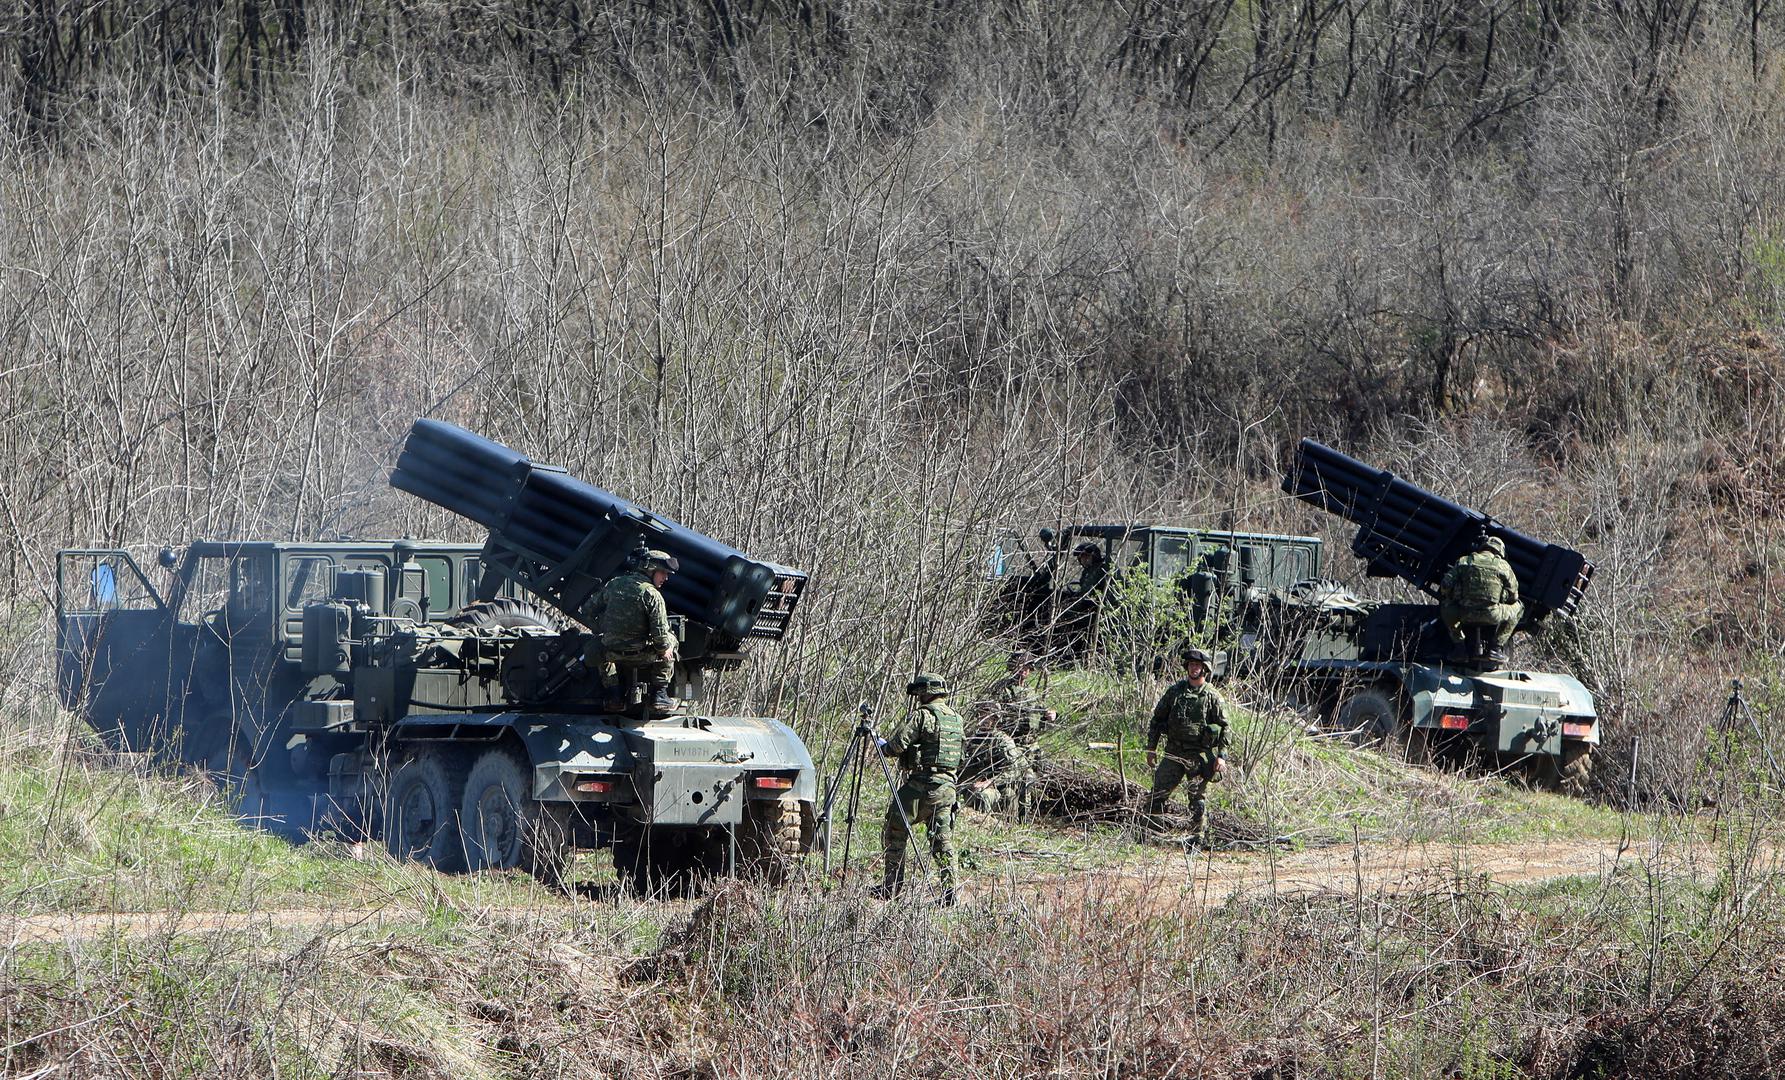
x=1408, y=532
x=562, y=530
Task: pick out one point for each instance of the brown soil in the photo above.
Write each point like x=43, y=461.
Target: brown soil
x=1167, y=883
x=1363, y=871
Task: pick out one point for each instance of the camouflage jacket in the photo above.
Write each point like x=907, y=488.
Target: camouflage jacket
x=631, y=616
x=1479, y=579
x=1016, y=706
x=993, y=756
x=928, y=743
x=1192, y=720
x=1091, y=580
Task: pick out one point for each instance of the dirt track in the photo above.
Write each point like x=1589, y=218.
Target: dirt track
x=1368, y=869
x=1166, y=882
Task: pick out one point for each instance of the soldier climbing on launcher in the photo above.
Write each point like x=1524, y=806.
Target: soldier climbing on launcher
x=1192, y=719
x=632, y=623
x=1480, y=590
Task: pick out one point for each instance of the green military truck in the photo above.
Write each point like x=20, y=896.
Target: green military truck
x=1380, y=673
x=450, y=699
x=1224, y=580
x=1388, y=672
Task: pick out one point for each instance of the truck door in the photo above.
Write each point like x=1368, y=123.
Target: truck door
x=112, y=645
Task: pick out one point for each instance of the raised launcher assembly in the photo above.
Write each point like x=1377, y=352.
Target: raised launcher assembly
x=1408, y=532
x=1379, y=673
x=561, y=539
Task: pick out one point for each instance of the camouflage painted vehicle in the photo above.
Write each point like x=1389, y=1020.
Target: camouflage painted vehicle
x=1388, y=673
x=1226, y=582
x=450, y=698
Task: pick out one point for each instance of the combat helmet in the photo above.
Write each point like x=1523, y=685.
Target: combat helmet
x=1087, y=547
x=1198, y=656
x=1493, y=544
x=648, y=559
x=927, y=684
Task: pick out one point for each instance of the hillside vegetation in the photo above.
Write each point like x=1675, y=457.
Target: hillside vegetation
x=857, y=285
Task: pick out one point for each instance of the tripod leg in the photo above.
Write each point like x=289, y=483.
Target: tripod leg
x=854, y=809
x=892, y=786
x=850, y=750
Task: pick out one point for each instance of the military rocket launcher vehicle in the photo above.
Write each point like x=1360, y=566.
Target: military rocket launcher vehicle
x=449, y=698
x=1384, y=671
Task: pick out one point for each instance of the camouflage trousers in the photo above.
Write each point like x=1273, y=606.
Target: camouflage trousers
x=645, y=668
x=1173, y=770
x=933, y=807
x=1500, y=619
x=993, y=798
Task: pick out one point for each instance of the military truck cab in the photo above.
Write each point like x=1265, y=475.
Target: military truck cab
x=202, y=658
x=413, y=691
x=1221, y=575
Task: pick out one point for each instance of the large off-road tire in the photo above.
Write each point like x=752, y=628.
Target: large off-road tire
x=771, y=838
x=421, y=811
x=1570, y=774
x=204, y=736
x=1370, y=716
x=506, y=828
x=502, y=614
x=1416, y=746
x=669, y=860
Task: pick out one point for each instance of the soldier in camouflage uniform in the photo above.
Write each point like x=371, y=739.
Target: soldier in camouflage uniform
x=1019, y=710
x=992, y=775
x=1480, y=589
x=928, y=746
x=632, y=626
x=1077, y=623
x=1192, y=719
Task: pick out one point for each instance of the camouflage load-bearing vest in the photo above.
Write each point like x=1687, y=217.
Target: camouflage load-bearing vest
x=1197, y=724
x=994, y=756
x=1480, y=580
x=934, y=752
x=633, y=617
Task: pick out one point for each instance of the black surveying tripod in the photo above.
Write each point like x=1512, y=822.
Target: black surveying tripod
x=1737, y=715
x=863, y=744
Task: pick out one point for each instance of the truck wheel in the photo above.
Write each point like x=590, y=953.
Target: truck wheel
x=1417, y=746
x=505, y=827
x=772, y=838
x=1369, y=716
x=1571, y=774
x=501, y=615
x=421, y=813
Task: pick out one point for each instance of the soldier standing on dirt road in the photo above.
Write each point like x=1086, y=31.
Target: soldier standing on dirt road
x=928, y=746
x=1480, y=589
x=1192, y=719
x=632, y=625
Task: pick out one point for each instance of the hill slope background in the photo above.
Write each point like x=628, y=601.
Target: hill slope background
x=857, y=285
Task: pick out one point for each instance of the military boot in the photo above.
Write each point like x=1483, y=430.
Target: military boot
x=658, y=702
x=889, y=888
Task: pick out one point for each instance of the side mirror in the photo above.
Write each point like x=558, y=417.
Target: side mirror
x=167, y=558
x=1047, y=536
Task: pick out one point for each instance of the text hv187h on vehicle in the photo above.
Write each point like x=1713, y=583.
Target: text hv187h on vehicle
x=416, y=691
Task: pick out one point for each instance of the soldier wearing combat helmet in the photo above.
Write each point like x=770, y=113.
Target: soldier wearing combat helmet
x=1191, y=718
x=1016, y=712
x=1481, y=590
x=632, y=625
x=928, y=746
